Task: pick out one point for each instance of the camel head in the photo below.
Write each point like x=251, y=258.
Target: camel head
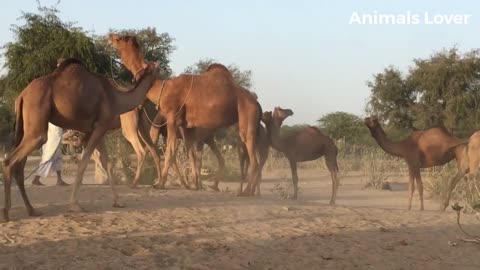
x=281, y=114
x=372, y=123
x=267, y=117
x=129, y=49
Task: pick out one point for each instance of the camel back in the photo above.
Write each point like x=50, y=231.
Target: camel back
x=67, y=62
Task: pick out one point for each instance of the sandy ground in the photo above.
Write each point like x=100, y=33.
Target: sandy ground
x=182, y=229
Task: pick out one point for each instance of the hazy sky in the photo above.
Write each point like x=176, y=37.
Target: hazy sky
x=304, y=55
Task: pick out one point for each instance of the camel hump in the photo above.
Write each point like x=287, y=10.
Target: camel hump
x=64, y=63
x=314, y=129
x=218, y=66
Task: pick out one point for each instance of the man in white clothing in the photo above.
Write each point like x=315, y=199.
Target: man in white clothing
x=51, y=156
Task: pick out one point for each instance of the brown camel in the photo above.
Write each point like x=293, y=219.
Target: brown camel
x=70, y=97
x=468, y=164
x=133, y=126
x=263, y=145
x=422, y=149
x=194, y=102
x=194, y=141
x=304, y=144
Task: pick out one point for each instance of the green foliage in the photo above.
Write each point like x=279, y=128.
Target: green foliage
x=440, y=90
x=38, y=44
x=241, y=77
x=342, y=125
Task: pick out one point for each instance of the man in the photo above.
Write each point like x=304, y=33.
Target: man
x=51, y=156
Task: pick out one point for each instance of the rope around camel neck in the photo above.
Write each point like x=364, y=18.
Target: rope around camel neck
x=158, y=105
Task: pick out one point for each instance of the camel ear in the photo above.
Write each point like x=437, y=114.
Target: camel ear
x=266, y=116
x=112, y=37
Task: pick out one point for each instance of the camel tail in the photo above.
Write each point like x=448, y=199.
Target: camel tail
x=259, y=118
x=18, y=125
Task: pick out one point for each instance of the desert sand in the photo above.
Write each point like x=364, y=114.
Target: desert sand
x=183, y=229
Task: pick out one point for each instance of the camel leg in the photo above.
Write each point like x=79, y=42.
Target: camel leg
x=13, y=163
x=259, y=181
x=242, y=157
x=170, y=151
x=180, y=175
x=198, y=162
x=411, y=186
x=103, y=156
x=221, y=162
x=94, y=139
x=418, y=178
x=253, y=165
x=332, y=167
x=20, y=178
x=140, y=153
x=192, y=155
x=293, y=168
x=150, y=145
x=451, y=186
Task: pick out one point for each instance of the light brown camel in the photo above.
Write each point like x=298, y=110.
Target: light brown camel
x=70, y=97
x=468, y=164
x=304, y=144
x=422, y=149
x=207, y=101
x=263, y=146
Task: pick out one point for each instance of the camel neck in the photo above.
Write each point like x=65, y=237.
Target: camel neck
x=132, y=63
x=392, y=148
x=276, y=141
x=127, y=101
x=156, y=92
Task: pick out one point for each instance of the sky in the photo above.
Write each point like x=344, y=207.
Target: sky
x=308, y=56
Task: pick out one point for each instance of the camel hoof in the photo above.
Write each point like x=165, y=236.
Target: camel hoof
x=158, y=186
x=133, y=186
x=61, y=183
x=214, y=188
x=34, y=213
x=118, y=205
x=332, y=203
x=76, y=208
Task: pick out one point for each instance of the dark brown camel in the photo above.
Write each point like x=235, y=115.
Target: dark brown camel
x=70, y=97
x=207, y=101
x=422, y=149
x=304, y=144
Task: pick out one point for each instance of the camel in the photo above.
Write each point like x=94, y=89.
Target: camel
x=194, y=142
x=263, y=146
x=132, y=125
x=70, y=97
x=210, y=100
x=468, y=164
x=304, y=144
x=422, y=149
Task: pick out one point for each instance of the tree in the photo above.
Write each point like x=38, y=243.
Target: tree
x=442, y=90
x=344, y=125
x=241, y=77
x=39, y=43
x=44, y=38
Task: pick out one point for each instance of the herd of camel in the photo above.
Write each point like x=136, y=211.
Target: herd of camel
x=192, y=108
